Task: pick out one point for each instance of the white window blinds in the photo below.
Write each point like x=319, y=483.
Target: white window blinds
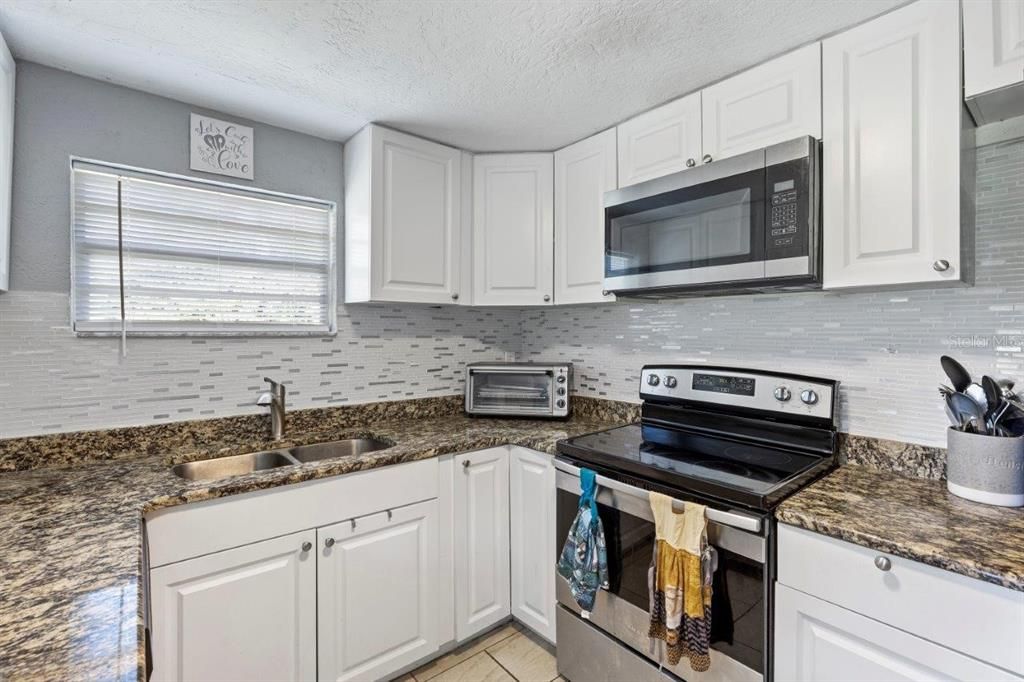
x=157, y=254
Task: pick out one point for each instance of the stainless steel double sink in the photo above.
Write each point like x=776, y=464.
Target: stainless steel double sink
x=238, y=465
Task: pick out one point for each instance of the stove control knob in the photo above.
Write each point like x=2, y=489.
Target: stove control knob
x=809, y=397
x=782, y=394
x=670, y=382
x=560, y=404
x=653, y=380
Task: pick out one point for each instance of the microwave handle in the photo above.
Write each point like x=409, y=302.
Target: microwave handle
x=726, y=518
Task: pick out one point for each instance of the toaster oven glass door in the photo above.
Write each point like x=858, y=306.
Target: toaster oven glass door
x=511, y=392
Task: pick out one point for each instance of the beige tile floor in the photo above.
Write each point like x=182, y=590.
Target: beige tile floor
x=506, y=654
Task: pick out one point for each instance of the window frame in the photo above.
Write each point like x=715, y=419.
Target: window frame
x=241, y=330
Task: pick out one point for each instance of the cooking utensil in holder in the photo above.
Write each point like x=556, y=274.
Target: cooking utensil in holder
x=984, y=468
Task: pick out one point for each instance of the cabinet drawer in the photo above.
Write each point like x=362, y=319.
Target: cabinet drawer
x=974, y=617
x=241, y=519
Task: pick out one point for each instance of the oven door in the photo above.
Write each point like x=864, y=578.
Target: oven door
x=740, y=586
x=510, y=391
x=700, y=226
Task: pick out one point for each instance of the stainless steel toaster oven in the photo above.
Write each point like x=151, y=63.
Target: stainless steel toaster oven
x=519, y=389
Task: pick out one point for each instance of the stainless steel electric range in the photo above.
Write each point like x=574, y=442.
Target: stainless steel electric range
x=735, y=440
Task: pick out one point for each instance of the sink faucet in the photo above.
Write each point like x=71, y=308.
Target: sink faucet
x=275, y=399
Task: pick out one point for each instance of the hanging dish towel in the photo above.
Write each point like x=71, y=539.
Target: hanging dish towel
x=680, y=582
x=584, y=559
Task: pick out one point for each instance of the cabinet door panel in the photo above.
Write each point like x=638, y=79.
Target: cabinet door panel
x=513, y=229
x=481, y=541
x=816, y=641
x=583, y=173
x=660, y=141
x=7, y=72
x=242, y=614
x=377, y=593
x=774, y=102
x=532, y=514
x=993, y=45
x=891, y=185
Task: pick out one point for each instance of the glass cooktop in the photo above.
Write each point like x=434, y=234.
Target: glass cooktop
x=746, y=473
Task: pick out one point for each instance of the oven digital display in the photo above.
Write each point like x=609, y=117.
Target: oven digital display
x=716, y=383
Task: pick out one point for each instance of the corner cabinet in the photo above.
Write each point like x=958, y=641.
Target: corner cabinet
x=377, y=579
x=892, y=124
x=994, y=58
x=583, y=173
x=247, y=613
x=481, y=540
x=513, y=229
x=403, y=218
x=7, y=73
x=774, y=102
x=660, y=141
x=533, y=543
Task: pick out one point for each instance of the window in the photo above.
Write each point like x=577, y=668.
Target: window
x=157, y=254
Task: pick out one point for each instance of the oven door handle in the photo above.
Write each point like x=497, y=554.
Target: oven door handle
x=726, y=518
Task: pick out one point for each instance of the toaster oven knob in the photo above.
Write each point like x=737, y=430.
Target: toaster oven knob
x=782, y=394
x=653, y=380
x=561, y=390
x=560, y=404
x=561, y=379
x=670, y=382
x=809, y=397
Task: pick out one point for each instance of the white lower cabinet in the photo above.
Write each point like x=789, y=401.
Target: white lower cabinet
x=816, y=641
x=481, y=540
x=846, y=612
x=247, y=613
x=377, y=579
x=533, y=544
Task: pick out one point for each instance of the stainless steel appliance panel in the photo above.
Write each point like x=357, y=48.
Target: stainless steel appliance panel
x=519, y=389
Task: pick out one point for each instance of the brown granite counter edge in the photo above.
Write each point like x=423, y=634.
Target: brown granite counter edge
x=909, y=459
x=969, y=569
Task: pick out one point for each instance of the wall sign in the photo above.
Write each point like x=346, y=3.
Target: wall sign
x=220, y=147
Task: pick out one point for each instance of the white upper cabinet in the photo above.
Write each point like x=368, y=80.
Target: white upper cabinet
x=774, y=102
x=583, y=173
x=247, y=613
x=377, y=579
x=891, y=146
x=660, y=141
x=513, y=202
x=994, y=58
x=7, y=69
x=481, y=539
x=403, y=215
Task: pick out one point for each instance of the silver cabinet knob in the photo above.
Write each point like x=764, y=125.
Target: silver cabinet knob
x=546, y=298
x=809, y=397
x=455, y=297
x=465, y=464
x=653, y=380
x=690, y=163
x=782, y=393
x=941, y=265
x=329, y=542
x=605, y=292
x=670, y=382
x=707, y=158
x=882, y=563
x=306, y=546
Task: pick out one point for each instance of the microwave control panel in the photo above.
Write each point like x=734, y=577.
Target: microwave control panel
x=784, y=214
x=788, y=193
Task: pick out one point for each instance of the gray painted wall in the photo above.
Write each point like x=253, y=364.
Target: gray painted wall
x=59, y=115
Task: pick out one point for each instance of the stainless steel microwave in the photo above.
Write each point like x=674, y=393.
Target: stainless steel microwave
x=748, y=222
x=519, y=389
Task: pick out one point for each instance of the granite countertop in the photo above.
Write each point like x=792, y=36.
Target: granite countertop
x=71, y=542
x=914, y=518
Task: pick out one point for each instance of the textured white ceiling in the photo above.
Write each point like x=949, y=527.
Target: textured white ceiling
x=483, y=75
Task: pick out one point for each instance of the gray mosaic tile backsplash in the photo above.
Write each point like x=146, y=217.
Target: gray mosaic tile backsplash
x=883, y=346
x=51, y=381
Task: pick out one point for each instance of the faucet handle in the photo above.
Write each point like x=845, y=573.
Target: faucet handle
x=275, y=387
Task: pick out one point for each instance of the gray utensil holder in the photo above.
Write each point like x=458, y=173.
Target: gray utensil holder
x=988, y=469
